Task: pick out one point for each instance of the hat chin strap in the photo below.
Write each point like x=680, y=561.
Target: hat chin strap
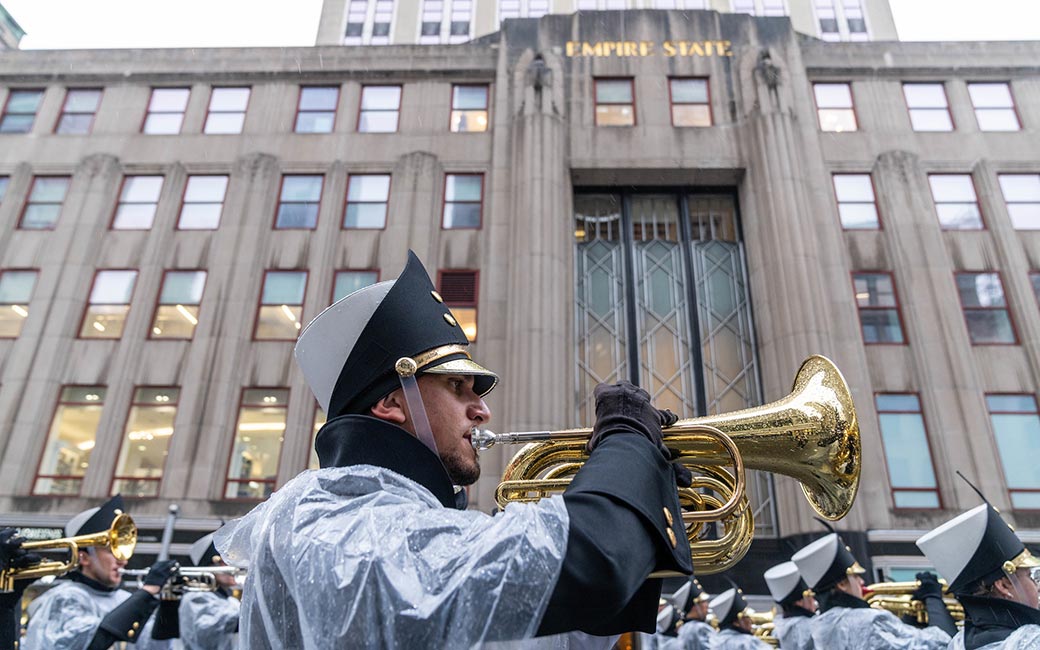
x=406, y=369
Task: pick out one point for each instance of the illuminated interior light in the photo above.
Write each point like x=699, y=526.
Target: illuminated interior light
x=98, y=326
x=288, y=313
x=156, y=331
x=21, y=311
x=262, y=426
x=187, y=315
x=86, y=445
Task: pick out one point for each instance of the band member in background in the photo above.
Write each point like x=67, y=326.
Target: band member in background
x=847, y=621
x=13, y=556
x=86, y=608
x=377, y=535
x=209, y=619
x=990, y=572
x=735, y=626
x=693, y=631
x=797, y=603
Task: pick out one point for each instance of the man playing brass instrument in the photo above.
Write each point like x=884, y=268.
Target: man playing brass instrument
x=798, y=603
x=735, y=625
x=373, y=550
x=209, y=619
x=846, y=620
x=990, y=572
x=86, y=609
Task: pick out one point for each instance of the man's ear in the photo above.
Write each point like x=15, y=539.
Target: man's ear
x=1004, y=588
x=391, y=408
x=84, y=558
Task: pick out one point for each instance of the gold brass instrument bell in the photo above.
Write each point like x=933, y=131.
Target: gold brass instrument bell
x=897, y=597
x=811, y=435
x=120, y=538
x=762, y=627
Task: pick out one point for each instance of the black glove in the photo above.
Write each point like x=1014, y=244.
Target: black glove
x=160, y=573
x=930, y=587
x=12, y=555
x=626, y=407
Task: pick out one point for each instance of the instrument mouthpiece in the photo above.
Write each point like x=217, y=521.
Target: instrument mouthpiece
x=482, y=439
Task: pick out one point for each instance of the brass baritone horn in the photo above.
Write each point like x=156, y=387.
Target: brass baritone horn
x=812, y=435
x=120, y=539
x=897, y=597
x=762, y=627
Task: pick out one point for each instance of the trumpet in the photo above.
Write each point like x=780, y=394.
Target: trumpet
x=812, y=435
x=190, y=578
x=897, y=597
x=120, y=539
x=762, y=626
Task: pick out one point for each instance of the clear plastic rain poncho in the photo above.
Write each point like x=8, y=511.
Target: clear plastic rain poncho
x=1026, y=637
x=208, y=621
x=872, y=629
x=794, y=633
x=362, y=557
x=66, y=616
x=733, y=640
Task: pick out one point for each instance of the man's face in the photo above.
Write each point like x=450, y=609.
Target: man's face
x=853, y=585
x=1022, y=589
x=101, y=566
x=453, y=409
x=699, y=610
x=809, y=604
x=744, y=623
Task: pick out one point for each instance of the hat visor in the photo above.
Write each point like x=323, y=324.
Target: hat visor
x=1026, y=560
x=855, y=569
x=483, y=379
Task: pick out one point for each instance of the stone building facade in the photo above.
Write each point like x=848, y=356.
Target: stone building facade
x=694, y=200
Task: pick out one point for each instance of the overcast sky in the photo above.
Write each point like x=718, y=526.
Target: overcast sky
x=212, y=23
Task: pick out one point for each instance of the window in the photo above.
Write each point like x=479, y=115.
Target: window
x=357, y=13
x=834, y=107
x=459, y=291
x=856, y=207
x=70, y=440
x=203, y=202
x=347, y=282
x=77, y=114
x=166, y=111
x=908, y=455
x=138, y=200
x=1022, y=198
x=994, y=106
x=1016, y=428
x=109, y=305
x=316, y=112
x=529, y=8
x=20, y=111
x=146, y=442
x=319, y=422
x=16, y=289
x=463, y=196
x=253, y=468
x=985, y=310
x=367, y=199
x=955, y=201
x=177, y=312
x=855, y=20
x=430, y=24
x=299, y=202
x=227, y=110
x=929, y=110
x=469, y=108
x=379, y=109
x=615, y=104
x=281, y=306
x=878, y=307
x=1034, y=279
x=44, y=204
x=4, y=180
x=763, y=8
x=690, y=104
x=827, y=18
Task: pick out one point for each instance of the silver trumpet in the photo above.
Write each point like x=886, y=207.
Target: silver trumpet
x=188, y=578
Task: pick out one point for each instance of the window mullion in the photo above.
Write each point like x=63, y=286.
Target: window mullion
x=631, y=302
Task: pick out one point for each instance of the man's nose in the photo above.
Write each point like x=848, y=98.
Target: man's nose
x=479, y=411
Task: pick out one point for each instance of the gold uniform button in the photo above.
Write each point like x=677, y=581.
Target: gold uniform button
x=671, y=537
x=136, y=625
x=436, y=296
x=130, y=633
x=668, y=516
x=450, y=320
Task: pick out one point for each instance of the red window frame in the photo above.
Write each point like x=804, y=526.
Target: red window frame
x=87, y=304
x=336, y=272
x=65, y=111
x=361, y=98
x=280, y=201
x=9, y=304
x=596, y=103
x=1000, y=460
x=931, y=453
x=672, y=103
x=123, y=440
x=936, y=202
x=444, y=199
x=158, y=297
x=184, y=201
x=210, y=111
x=50, y=424
x=946, y=96
x=148, y=109
x=347, y=201
x=231, y=451
x=1008, y=204
x=818, y=108
x=299, y=111
x=1013, y=107
x=898, y=308
x=119, y=200
x=469, y=304
x=260, y=303
x=1005, y=308
x=838, y=202
x=29, y=201
x=486, y=109
x=7, y=102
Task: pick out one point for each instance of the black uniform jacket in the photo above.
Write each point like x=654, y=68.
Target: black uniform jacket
x=624, y=520
x=988, y=620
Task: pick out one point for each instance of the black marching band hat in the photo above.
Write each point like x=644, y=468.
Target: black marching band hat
x=203, y=552
x=976, y=546
x=728, y=606
x=97, y=519
x=826, y=562
x=786, y=584
x=685, y=596
x=349, y=353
